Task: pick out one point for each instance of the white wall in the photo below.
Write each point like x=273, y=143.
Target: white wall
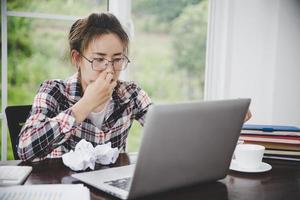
x=254, y=51
x=287, y=78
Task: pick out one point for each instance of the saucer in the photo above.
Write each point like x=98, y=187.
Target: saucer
x=262, y=168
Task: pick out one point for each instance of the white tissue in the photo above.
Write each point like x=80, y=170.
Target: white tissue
x=105, y=154
x=85, y=155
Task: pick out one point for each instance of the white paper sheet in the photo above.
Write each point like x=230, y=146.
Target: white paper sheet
x=45, y=191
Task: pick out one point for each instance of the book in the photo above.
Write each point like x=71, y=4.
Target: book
x=275, y=133
x=270, y=139
x=256, y=129
x=272, y=136
x=278, y=146
x=281, y=158
x=270, y=128
x=283, y=152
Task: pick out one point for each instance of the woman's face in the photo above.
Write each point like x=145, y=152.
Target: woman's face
x=109, y=47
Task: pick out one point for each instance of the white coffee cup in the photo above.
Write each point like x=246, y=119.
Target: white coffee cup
x=249, y=156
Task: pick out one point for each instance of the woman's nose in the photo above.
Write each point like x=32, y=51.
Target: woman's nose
x=109, y=68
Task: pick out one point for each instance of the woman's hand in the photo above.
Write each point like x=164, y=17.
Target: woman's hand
x=99, y=92
x=248, y=116
x=96, y=95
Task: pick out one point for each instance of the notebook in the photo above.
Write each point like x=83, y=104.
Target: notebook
x=13, y=175
x=183, y=144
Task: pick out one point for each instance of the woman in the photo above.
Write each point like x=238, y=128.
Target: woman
x=92, y=104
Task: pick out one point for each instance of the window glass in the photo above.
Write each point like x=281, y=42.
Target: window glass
x=38, y=48
x=66, y=7
x=168, y=52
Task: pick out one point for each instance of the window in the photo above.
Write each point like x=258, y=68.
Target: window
x=168, y=52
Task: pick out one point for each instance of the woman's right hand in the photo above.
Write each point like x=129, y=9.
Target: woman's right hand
x=96, y=95
x=99, y=92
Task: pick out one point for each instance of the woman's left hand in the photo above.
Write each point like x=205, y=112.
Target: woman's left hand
x=248, y=116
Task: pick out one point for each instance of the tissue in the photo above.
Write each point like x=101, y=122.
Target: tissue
x=106, y=155
x=85, y=156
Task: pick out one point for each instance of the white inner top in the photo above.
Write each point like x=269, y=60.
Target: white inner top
x=97, y=118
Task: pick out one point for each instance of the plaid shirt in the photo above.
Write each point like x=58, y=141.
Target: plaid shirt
x=51, y=129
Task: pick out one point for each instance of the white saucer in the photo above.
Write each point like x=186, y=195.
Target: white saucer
x=262, y=168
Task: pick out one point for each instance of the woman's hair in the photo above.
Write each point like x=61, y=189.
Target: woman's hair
x=83, y=31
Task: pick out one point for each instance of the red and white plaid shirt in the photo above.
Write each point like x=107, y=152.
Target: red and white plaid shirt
x=51, y=129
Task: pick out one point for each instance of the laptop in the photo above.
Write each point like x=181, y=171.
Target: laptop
x=183, y=144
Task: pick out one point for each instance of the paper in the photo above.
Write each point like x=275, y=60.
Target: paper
x=85, y=156
x=45, y=191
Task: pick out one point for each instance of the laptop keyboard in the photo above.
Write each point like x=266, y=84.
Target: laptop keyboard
x=123, y=183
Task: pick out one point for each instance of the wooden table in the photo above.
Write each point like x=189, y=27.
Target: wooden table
x=282, y=182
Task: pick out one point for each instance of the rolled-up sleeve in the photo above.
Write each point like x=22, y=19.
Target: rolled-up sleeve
x=46, y=128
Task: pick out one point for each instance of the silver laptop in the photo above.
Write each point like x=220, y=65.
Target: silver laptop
x=183, y=144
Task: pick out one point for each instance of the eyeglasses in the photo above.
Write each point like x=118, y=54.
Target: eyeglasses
x=100, y=64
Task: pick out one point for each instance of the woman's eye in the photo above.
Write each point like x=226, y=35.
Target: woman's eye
x=99, y=59
x=117, y=59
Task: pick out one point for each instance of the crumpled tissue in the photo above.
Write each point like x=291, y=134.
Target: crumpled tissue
x=85, y=155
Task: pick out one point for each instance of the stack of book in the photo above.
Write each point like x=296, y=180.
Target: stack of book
x=281, y=142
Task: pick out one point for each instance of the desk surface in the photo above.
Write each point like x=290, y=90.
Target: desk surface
x=282, y=182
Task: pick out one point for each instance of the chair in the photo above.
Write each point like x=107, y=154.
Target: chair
x=16, y=117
